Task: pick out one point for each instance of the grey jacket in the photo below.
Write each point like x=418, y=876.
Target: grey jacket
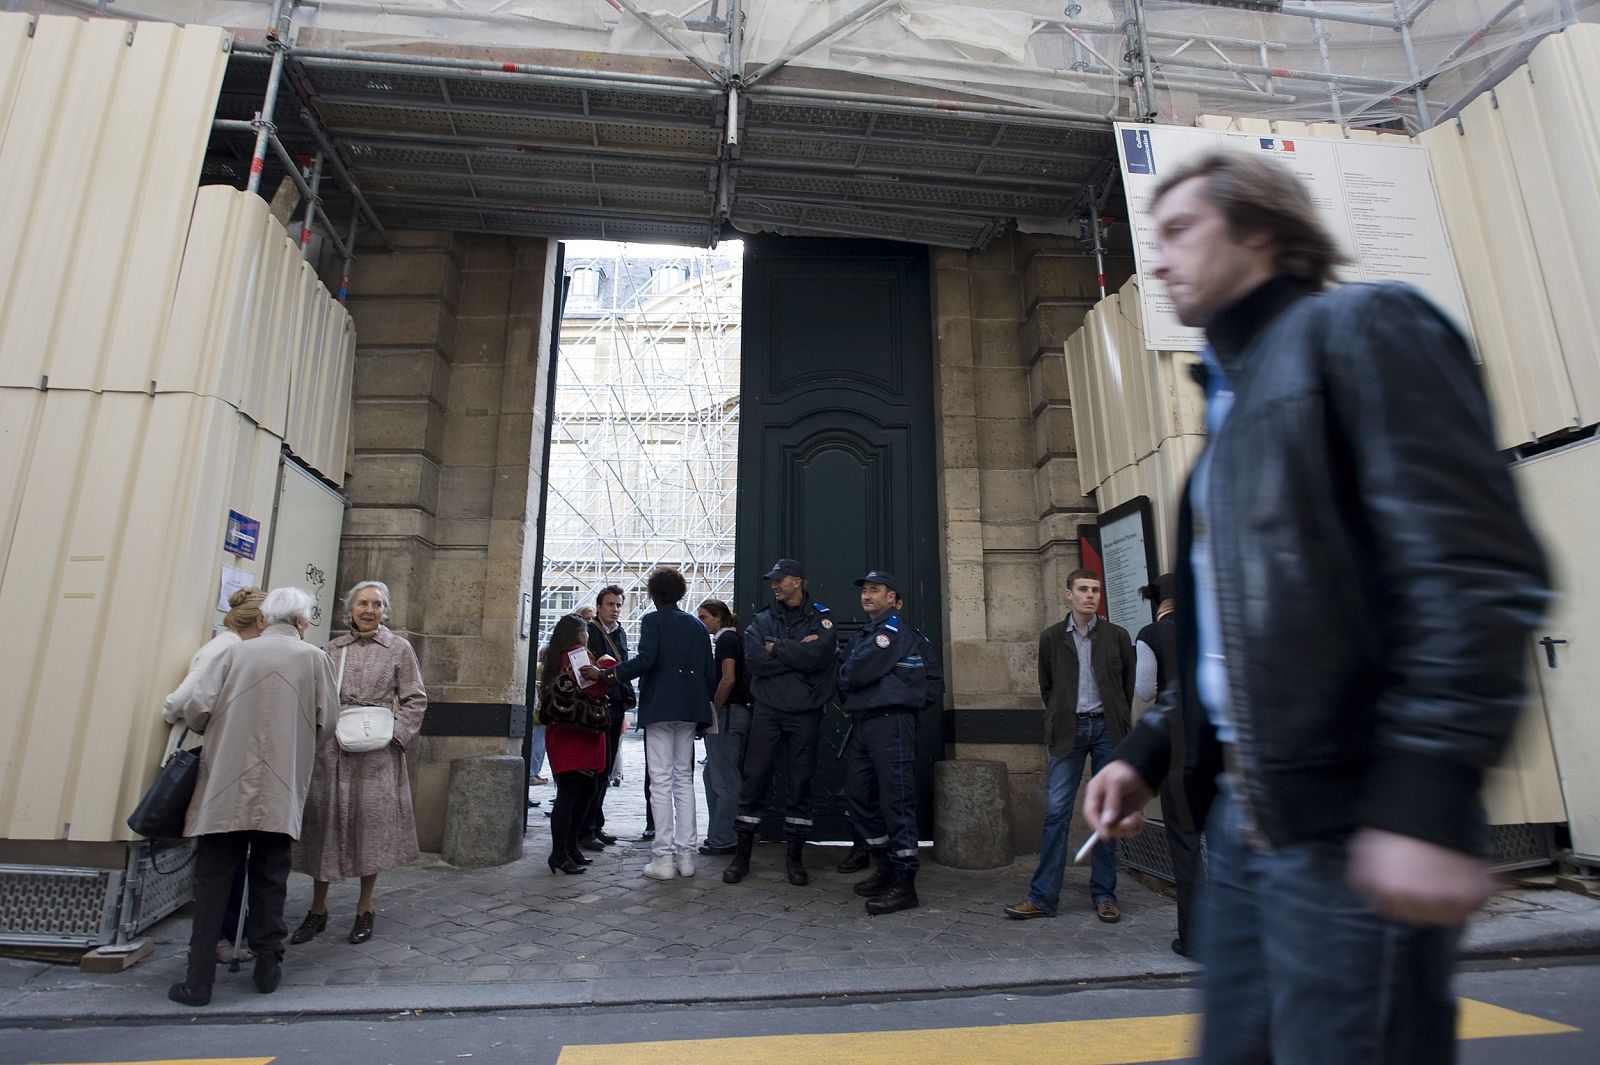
x=262, y=707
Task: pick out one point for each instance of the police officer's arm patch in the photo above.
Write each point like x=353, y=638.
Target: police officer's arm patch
x=882, y=639
x=827, y=623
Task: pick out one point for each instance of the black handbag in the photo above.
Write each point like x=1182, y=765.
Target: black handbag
x=160, y=814
x=567, y=704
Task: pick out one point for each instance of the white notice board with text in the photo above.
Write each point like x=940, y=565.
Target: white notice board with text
x=1377, y=199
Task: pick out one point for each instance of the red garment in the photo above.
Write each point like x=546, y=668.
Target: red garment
x=570, y=749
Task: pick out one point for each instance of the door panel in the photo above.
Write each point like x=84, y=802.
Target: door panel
x=836, y=459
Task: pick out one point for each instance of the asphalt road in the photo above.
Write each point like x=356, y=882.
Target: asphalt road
x=1544, y=1011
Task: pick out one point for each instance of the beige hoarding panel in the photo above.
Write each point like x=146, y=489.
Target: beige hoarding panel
x=15, y=30
x=1561, y=490
x=1563, y=88
x=305, y=543
x=115, y=564
x=1086, y=442
x=101, y=152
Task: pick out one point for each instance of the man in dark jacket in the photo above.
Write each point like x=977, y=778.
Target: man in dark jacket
x=1359, y=585
x=887, y=679
x=608, y=637
x=1086, y=671
x=790, y=650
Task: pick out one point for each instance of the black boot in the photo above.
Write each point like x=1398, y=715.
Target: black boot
x=268, y=971
x=858, y=859
x=902, y=895
x=878, y=882
x=739, y=868
x=794, y=863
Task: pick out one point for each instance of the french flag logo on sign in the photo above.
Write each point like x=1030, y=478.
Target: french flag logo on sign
x=1277, y=144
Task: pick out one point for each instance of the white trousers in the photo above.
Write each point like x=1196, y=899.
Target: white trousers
x=669, y=750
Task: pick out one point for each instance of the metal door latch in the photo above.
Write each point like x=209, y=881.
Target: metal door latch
x=1549, y=645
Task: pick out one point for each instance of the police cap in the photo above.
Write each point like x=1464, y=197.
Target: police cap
x=883, y=577
x=785, y=567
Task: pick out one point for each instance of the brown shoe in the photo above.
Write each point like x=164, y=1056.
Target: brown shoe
x=1107, y=911
x=1025, y=910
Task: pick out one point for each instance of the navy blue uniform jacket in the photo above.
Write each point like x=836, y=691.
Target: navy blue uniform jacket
x=890, y=666
x=794, y=675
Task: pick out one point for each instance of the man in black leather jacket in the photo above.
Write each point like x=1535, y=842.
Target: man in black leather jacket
x=1363, y=583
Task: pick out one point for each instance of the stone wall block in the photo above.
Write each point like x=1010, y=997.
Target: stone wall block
x=415, y=425
x=996, y=295
x=420, y=373
x=1001, y=392
x=1008, y=496
x=428, y=761
x=953, y=344
x=485, y=294
x=1050, y=273
x=995, y=343
x=958, y=442
x=1005, y=443
x=471, y=440
x=957, y=388
x=403, y=239
x=484, y=251
x=395, y=480
x=1047, y=327
x=1047, y=381
x=402, y=322
x=1058, y=486
x=952, y=293
x=466, y=492
x=478, y=341
x=419, y=272
x=1052, y=433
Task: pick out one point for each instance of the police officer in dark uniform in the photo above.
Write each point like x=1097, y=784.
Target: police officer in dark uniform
x=887, y=678
x=790, y=657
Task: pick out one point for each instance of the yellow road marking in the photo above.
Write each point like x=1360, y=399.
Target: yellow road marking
x=1114, y=1041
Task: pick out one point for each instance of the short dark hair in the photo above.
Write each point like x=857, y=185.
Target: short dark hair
x=1082, y=575
x=665, y=586
x=610, y=589
x=1257, y=195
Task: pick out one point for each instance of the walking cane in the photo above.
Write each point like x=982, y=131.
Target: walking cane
x=244, y=904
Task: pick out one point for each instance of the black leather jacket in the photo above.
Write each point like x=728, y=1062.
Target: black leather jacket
x=1375, y=577
x=796, y=675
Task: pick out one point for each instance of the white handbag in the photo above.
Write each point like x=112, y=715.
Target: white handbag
x=362, y=728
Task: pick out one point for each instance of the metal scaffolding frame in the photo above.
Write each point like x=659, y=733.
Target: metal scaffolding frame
x=644, y=444
x=945, y=148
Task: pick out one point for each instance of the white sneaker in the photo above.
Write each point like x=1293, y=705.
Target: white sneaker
x=685, y=865
x=660, y=868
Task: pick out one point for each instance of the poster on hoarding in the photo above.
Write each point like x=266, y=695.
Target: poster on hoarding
x=1377, y=200
x=1128, y=558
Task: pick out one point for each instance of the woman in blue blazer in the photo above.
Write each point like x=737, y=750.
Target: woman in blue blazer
x=677, y=679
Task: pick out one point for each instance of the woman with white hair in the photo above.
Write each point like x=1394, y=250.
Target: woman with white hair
x=359, y=820
x=263, y=705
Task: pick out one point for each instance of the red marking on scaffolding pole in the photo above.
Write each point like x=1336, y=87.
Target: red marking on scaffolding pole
x=1281, y=72
x=509, y=68
x=1102, y=282
x=257, y=165
x=305, y=235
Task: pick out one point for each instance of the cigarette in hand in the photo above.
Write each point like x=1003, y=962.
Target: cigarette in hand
x=1088, y=845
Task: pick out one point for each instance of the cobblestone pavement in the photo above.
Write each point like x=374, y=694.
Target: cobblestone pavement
x=448, y=938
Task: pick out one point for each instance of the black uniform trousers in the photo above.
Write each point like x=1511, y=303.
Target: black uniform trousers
x=217, y=856
x=1184, y=850
x=775, y=732
x=881, y=784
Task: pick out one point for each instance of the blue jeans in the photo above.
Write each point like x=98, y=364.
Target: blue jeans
x=536, y=753
x=724, y=772
x=1300, y=972
x=1061, y=791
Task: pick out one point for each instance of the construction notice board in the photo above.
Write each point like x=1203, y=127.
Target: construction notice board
x=1377, y=199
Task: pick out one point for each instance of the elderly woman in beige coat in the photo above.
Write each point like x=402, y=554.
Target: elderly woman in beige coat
x=359, y=820
x=261, y=706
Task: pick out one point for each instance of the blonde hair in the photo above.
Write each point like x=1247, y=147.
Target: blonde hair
x=246, y=608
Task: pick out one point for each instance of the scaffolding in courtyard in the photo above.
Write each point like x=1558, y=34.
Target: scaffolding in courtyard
x=644, y=441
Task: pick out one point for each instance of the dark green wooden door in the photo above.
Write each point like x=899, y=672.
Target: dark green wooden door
x=836, y=450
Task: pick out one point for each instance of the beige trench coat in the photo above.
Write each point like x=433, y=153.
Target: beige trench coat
x=261, y=707
x=359, y=819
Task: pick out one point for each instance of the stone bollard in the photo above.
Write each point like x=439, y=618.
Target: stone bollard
x=972, y=814
x=485, y=811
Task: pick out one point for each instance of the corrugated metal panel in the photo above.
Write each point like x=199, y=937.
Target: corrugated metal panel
x=101, y=151
x=116, y=569
x=252, y=325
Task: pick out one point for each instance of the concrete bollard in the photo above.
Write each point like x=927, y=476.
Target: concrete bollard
x=972, y=814
x=485, y=810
